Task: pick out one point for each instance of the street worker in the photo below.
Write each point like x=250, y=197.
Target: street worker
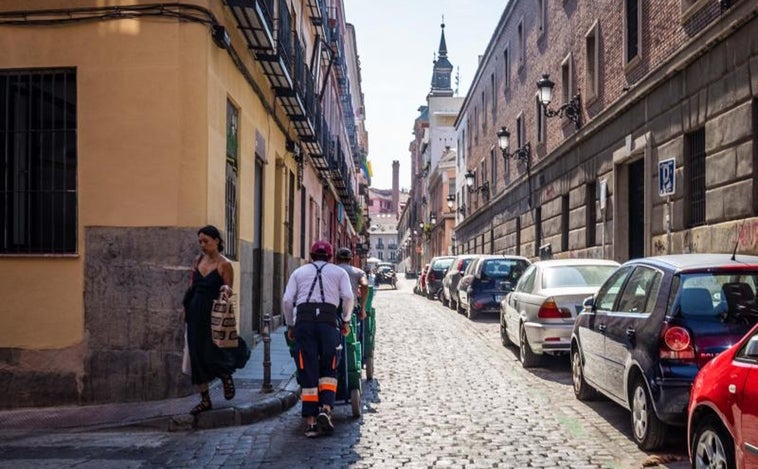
x=310, y=306
x=358, y=280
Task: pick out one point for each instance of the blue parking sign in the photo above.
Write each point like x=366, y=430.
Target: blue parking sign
x=667, y=177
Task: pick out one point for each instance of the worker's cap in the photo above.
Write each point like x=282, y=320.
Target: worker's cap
x=322, y=247
x=344, y=254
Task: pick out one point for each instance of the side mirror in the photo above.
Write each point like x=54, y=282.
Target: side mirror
x=588, y=304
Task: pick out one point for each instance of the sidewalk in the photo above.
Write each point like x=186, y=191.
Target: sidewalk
x=249, y=405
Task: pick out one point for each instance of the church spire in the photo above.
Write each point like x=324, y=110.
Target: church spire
x=443, y=69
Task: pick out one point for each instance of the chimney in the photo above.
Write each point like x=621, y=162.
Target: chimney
x=395, y=186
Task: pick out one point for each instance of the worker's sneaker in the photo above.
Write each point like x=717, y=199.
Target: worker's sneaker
x=324, y=421
x=311, y=431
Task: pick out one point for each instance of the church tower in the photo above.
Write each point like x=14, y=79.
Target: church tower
x=443, y=70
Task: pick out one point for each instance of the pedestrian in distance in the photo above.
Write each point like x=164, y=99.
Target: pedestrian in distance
x=358, y=279
x=212, y=277
x=311, y=311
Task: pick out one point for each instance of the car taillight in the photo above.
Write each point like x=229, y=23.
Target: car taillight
x=550, y=310
x=676, y=344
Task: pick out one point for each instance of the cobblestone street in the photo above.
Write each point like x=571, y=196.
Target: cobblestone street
x=446, y=393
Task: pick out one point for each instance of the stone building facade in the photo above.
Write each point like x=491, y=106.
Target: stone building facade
x=655, y=81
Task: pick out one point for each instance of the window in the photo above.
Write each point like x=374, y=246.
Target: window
x=520, y=130
x=591, y=220
x=521, y=44
x=632, y=32
x=537, y=230
x=565, y=213
x=640, y=292
x=493, y=169
x=694, y=175
x=567, y=79
x=232, y=179
x=38, y=161
x=493, y=90
x=591, y=62
x=506, y=69
x=606, y=297
x=518, y=236
x=291, y=214
x=541, y=17
x=484, y=172
x=484, y=112
x=539, y=120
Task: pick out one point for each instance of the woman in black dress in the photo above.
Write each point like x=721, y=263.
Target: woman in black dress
x=212, y=275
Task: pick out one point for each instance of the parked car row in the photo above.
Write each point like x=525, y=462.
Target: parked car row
x=643, y=334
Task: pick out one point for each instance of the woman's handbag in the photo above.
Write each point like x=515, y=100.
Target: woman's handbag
x=223, y=323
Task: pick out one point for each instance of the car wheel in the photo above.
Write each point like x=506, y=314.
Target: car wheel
x=459, y=308
x=470, y=312
x=452, y=304
x=712, y=446
x=648, y=431
x=445, y=300
x=582, y=390
x=528, y=358
x=504, y=333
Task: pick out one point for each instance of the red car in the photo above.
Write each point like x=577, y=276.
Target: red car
x=722, y=430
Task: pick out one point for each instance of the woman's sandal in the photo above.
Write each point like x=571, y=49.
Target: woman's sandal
x=204, y=405
x=229, y=389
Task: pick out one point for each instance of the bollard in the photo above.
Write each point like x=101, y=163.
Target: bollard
x=267, y=354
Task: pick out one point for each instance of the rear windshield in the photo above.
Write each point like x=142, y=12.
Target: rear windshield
x=728, y=296
x=504, y=268
x=441, y=264
x=576, y=275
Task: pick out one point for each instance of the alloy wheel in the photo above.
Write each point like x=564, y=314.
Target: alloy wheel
x=640, y=413
x=709, y=451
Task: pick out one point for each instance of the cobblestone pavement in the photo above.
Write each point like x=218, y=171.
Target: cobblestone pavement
x=446, y=393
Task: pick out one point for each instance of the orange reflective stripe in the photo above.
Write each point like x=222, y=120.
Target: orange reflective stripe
x=309, y=398
x=302, y=366
x=327, y=387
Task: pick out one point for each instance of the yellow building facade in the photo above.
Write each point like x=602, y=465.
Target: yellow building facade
x=130, y=125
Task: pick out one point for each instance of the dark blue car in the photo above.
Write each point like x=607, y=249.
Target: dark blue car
x=652, y=325
x=486, y=282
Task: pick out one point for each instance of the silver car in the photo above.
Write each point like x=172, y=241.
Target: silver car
x=538, y=315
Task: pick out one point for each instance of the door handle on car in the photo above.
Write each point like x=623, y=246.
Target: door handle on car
x=601, y=327
x=630, y=332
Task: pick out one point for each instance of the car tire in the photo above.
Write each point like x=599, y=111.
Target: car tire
x=506, y=341
x=470, y=312
x=528, y=358
x=445, y=301
x=647, y=430
x=582, y=390
x=712, y=445
x=452, y=304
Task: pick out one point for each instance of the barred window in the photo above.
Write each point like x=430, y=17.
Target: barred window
x=591, y=213
x=232, y=179
x=694, y=168
x=38, y=161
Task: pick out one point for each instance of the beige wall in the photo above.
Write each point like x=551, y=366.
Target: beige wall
x=151, y=107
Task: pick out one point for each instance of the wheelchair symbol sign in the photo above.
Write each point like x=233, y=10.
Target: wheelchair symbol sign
x=667, y=177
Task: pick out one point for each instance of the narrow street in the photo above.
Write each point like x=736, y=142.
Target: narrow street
x=446, y=393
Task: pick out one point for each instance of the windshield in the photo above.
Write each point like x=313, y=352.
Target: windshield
x=441, y=264
x=721, y=294
x=576, y=275
x=504, y=268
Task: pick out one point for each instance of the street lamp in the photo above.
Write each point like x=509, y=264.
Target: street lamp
x=471, y=180
x=571, y=109
x=432, y=218
x=522, y=154
x=450, y=202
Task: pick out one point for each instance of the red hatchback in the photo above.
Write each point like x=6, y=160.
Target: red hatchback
x=722, y=427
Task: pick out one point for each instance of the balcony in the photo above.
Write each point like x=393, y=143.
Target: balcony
x=254, y=20
x=317, y=10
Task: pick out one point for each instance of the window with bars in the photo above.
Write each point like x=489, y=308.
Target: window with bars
x=518, y=236
x=591, y=212
x=38, y=161
x=493, y=97
x=565, y=214
x=506, y=69
x=632, y=33
x=537, y=230
x=232, y=179
x=493, y=168
x=694, y=170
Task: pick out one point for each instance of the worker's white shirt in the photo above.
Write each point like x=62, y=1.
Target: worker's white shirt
x=336, y=286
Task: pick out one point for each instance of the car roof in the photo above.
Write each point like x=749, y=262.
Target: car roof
x=503, y=256
x=695, y=262
x=575, y=261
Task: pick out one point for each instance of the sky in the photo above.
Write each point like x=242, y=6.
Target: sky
x=397, y=41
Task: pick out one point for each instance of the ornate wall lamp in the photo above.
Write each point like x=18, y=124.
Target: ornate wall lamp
x=571, y=109
x=484, y=188
x=522, y=154
x=450, y=202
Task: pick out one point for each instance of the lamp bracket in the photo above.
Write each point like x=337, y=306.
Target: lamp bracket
x=572, y=110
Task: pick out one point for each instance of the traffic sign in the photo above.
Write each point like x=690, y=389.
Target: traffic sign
x=667, y=177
